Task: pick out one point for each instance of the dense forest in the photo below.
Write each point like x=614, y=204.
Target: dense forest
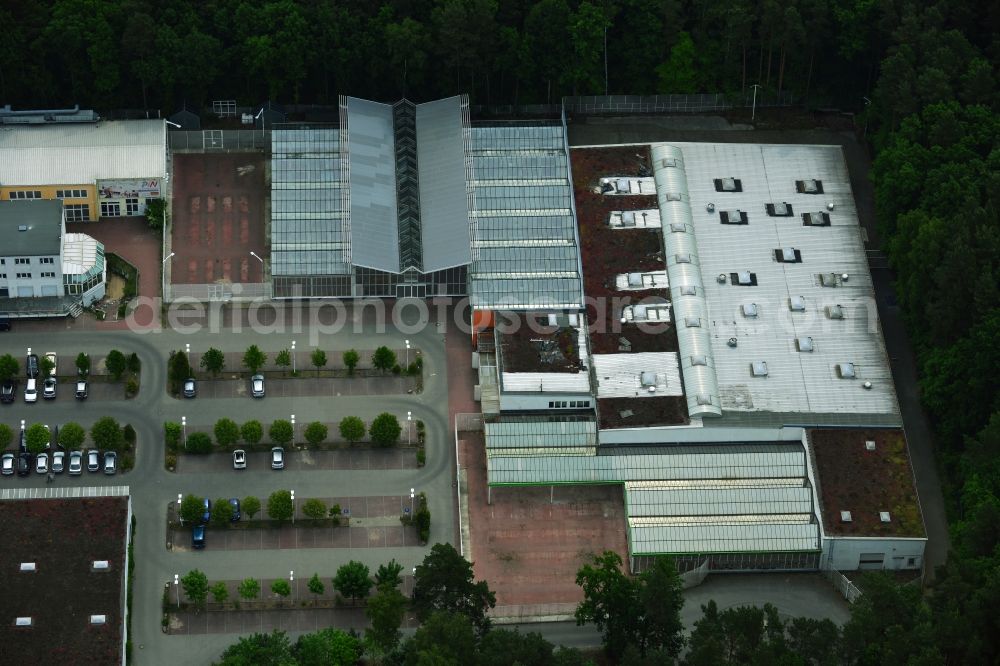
x=928, y=69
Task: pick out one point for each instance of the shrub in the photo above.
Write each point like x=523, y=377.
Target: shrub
x=316, y=433
x=421, y=457
x=199, y=442
x=172, y=433
x=180, y=370
x=6, y=435
x=249, y=588
x=131, y=387
x=133, y=363
x=283, y=359
x=128, y=432
x=219, y=592
x=385, y=429
x=412, y=369
x=422, y=519
x=318, y=358
x=171, y=460
x=281, y=588
x=396, y=369
x=314, y=508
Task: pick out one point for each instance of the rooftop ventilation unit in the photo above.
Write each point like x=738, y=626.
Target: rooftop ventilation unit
x=804, y=344
x=699, y=359
x=682, y=258
x=788, y=255
x=750, y=310
x=673, y=196
x=688, y=290
x=669, y=162
x=867, y=386
x=628, y=218
x=721, y=279
x=678, y=227
x=635, y=279
x=101, y=565
x=783, y=209
x=835, y=312
x=98, y=619
x=829, y=205
x=845, y=517
x=758, y=369
x=692, y=322
x=797, y=304
x=22, y=622
x=744, y=279
x=28, y=567
x=22, y=227
x=733, y=217
x=728, y=185
x=869, y=444
x=818, y=219
x=710, y=207
x=732, y=342
x=846, y=371
x=829, y=280
x=704, y=399
x=884, y=516
x=844, y=277
x=809, y=186
x=647, y=379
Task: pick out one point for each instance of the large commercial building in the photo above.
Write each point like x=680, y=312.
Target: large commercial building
x=97, y=168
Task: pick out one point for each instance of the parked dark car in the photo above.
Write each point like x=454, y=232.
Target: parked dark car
x=198, y=536
x=81, y=389
x=8, y=392
x=235, y=503
x=24, y=462
x=208, y=511
x=190, y=388
x=31, y=366
x=4, y=324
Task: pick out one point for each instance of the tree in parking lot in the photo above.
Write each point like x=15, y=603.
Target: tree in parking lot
x=213, y=361
x=385, y=611
x=6, y=435
x=281, y=588
x=353, y=580
x=8, y=367
x=46, y=366
x=352, y=428
x=72, y=435
x=249, y=588
x=195, y=585
x=116, y=364
x=316, y=433
x=254, y=359
x=222, y=512
x=36, y=437
x=384, y=358
x=251, y=506
x=192, y=509
x=251, y=432
x=351, y=359
x=180, y=370
x=283, y=359
x=227, y=432
x=314, y=508
x=445, y=582
x=385, y=429
x=281, y=432
x=133, y=363
x=82, y=364
x=219, y=592
x=280, y=506
x=316, y=585
x=107, y=434
x=318, y=359
x=199, y=442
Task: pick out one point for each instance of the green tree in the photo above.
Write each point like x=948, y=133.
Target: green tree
x=82, y=364
x=195, y=584
x=352, y=580
x=251, y=432
x=192, y=509
x=660, y=601
x=328, y=647
x=7, y=434
x=352, y=428
x=227, y=433
x=889, y=624
x=385, y=430
x=222, y=512
x=249, y=589
x=385, y=612
x=443, y=638
x=46, y=366
x=116, y=363
x=350, y=358
x=36, y=437
x=9, y=367
x=250, y=506
x=610, y=602
x=106, y=434
x=281, y=432
x=445, y=582
x=220, y=593
x=383, y=359
x=388, y=575
x=283, y=359
x=180, y=370
x=318, y=359
x=172, y=433
x=282, y=588
x=199, y=442
x=72, y=435
x=128, y=434
x=213, y=361
x=316, y=433
x=273, y=649
x=586, y=32
x=500, y=647
x=678, y=73
x=280, y=506
x=314, y=508
x=254, y=359
x=316, y=585
x=133, y=364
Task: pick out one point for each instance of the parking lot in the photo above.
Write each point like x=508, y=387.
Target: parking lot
x=305, y=387
x=300, y=461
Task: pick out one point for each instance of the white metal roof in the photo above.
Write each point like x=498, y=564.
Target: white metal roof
x=724, y=538
x=79, y=253
x=795, y=382
x=709, y=499
x=82, y=154
x=621, y=375
x=517, y=434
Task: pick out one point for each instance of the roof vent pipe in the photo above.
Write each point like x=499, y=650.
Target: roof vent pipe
x=710, y=207
x=829, y=206
x=732, y=342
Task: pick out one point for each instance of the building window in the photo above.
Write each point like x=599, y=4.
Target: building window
x=77, y=212
x=22, y=261
x=47, y=260
x=24, y=276
x=71, y=194
x=3, y=276
x=24, y=194
x=131, y=206
x=110, y=209
x=48, y=274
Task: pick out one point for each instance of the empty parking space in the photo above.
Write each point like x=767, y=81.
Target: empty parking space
x=297, y=461
x=218, y=218
x=303, y=387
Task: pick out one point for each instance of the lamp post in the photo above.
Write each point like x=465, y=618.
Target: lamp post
x=293, y=507
x=259, y=115
x=409, y=422
x=407, y=354
x=293, y=357
x=184, y=431
x=753, y=113
x=172, y=124
x=163, y=287
x=177, y=589
x=412, y=494
x=293, y=430
x=180, y=498
x=257, y=257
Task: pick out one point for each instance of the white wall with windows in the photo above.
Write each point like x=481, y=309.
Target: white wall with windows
x=546, y=401
x=873, y=553
x=30, y=276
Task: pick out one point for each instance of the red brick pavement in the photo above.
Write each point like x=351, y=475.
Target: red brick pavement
x=132, y=239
